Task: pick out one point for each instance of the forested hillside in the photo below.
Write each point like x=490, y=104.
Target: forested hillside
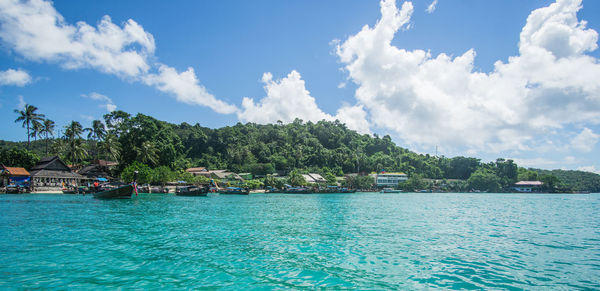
x=323, y=147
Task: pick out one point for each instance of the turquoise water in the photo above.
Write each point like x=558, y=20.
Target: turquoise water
x=284, y=241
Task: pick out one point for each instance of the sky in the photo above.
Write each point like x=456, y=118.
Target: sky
x=517, y=79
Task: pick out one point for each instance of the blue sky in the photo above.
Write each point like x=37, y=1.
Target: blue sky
x=514, y=79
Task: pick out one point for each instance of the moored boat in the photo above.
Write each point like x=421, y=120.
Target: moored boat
x=123, y=192
x=390, y=190
x=235, y=190
x=15, y=189
x=297, y=190
x=191, y=191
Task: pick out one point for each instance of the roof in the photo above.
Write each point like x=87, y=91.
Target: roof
x=55, y=174
x=393, y=173
x=317, y=177
x=308, y=178
x=105, y=163
x=529, y=183
x=197, y=169
x=14, y=171
x=50, y=163
x=94, y=170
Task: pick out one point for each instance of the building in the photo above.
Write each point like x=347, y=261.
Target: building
x=94, y=171
x=314, y=178
x=390, y=179
x=53, y=172
x=14, y=175
x=199, y=171
x=528, y=186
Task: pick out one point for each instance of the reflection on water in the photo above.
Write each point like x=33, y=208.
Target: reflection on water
x=364, y=240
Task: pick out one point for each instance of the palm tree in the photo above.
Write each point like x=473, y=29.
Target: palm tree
x=76, y=151
x=97, y=132
x=48, y=129
x=112, y=147
x=147, y=153
x=73, y=130
x=27, y=116
x=36, y=129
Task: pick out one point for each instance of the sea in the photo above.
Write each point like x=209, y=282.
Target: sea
x=408, y=241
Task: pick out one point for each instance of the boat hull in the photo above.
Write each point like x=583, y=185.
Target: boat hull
x=194, y=192
x=117, y=193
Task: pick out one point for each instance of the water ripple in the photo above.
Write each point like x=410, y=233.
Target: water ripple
x=362, y=241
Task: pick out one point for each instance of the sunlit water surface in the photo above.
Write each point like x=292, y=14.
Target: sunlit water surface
x=282, y=241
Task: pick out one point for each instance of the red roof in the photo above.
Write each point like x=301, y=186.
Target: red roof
x=14, y=171
x=198, y=169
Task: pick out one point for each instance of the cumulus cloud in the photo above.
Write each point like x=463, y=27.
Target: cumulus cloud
x=186, y=88
x=109, y=104
x=590, y=169
x=14, y=78
x=441, y=100
x=585, y=141
x=35, y=30
x=288, y=99
x=431, y=7
x=38, y=32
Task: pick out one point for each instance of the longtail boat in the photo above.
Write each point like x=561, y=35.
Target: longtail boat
x=235, y=190
x=118, y=193
x=191, y=191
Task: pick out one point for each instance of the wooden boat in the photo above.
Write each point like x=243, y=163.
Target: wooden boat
x=297, y=190
x=390, y=190
x=235, y=190
x=118, y=193
x=15, y=189
x=191, y=191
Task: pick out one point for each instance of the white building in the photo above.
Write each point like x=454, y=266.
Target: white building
x=390, y=179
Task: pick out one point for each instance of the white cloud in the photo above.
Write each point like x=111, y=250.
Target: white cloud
x=14, y=77
x=109, y=104
x=186, y=88
x=585, y=141
x=355, y=118
x=431, y=7
x=38, y=32
x=590, y=169
x=22, y=103
x=288, y=99
x=440, y=100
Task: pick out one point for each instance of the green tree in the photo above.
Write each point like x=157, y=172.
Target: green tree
x=295, y=178
x=414, y=183
x=27, y=116
x=111, y=147
x=144, y=173
x=48, y=129
x=18, y=157
x=147, y=153
x=36, y=129
x=484, y=180
x=73, y=130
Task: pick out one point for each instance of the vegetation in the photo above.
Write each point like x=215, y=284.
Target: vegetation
x=324, y=147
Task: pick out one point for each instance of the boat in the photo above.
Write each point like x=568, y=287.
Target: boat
x=347, y=190
x=15, y=189
x=390, y=190
x=191, y=191
x=297, y=190
x=235, y=190
x=123, y=192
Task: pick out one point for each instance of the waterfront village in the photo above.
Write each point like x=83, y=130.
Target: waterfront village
x=52, y=175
